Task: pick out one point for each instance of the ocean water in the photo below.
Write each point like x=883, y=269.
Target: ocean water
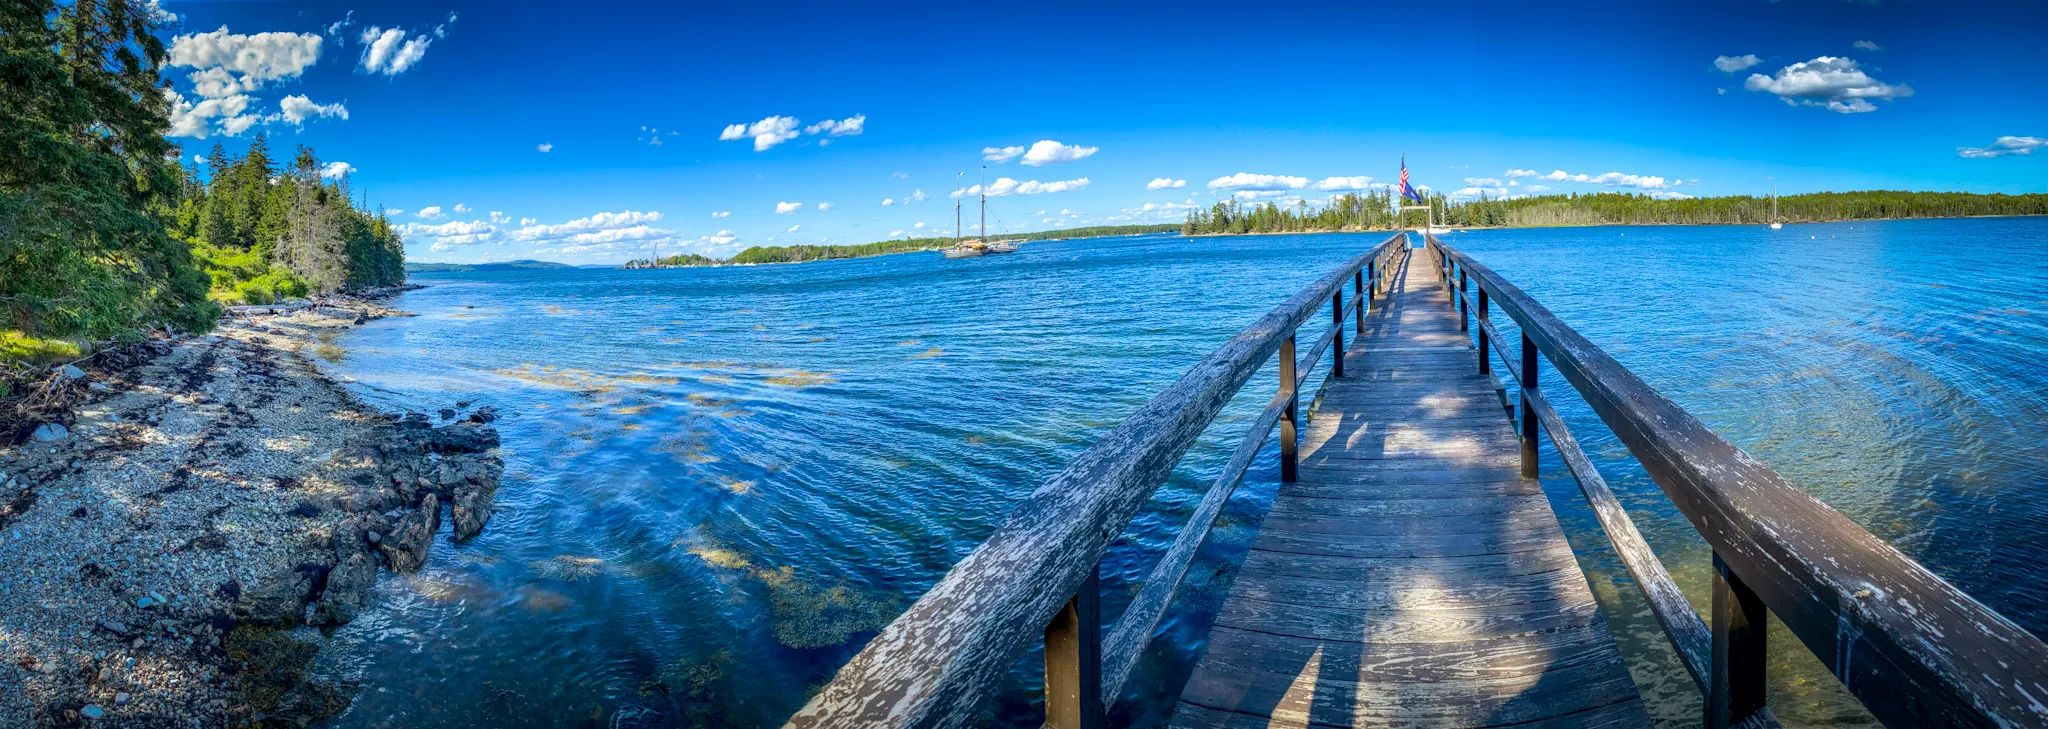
x=720, y=482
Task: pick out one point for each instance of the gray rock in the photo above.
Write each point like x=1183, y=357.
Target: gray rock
x=121, y=698
x=484, y=414
x=98, y=386
x=278, y=600
x=49, y=432
x=92, y=711
x=405, y=548
x=471, y=483
x=347, y=584
x=71, y=372
x=463, y=437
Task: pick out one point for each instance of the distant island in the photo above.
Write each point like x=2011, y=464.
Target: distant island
x=521, y=265
x=800, y=254
x=1375, y=211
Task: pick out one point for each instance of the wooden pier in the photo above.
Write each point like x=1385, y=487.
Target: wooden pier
x=1410, y=571
x=1410, y=575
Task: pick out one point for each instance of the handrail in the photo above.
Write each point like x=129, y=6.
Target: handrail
x=1914, y=649
x=1036, y=575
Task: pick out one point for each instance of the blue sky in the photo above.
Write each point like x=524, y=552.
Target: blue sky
x=592, y=132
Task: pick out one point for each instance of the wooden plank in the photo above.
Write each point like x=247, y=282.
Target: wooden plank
x=1410, y=577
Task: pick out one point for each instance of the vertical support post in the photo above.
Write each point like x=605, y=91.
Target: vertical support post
x=1735, y=691
x=1528, y=413
x=1073, y=660
x=1464, y=309
x=1288, y=421
x=1372, y=271
x=1358, y=291
x=1485, y=345
x=1337, y=332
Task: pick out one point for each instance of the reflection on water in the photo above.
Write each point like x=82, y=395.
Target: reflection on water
x=721, y=482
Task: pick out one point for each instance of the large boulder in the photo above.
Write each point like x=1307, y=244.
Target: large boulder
x=462, y=437
x=405, y=548
x=279, y=599
x=472, y=486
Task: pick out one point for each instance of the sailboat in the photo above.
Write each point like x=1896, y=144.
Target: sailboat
x=1775, y=224
x=979, y=246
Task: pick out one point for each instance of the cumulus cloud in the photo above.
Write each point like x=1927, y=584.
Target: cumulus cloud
x=822, y=207
x=1864, y=45
x=850, y=126
x=499, y=217
x=1731, y=64
x=1514, y=173
x=254, y=58
x=2003, y=146
x=200, y=118
x=1831, y=82
x=1353, y=182
x=915, y=196
x=430, y=212
x=461, y=208
x=296, y=109
x=1004, y=186
x=528, y=221
x=544, y=147
x=392, y=51
x=1482, y=182
x=794, y=228
x=1001, y=154
x=888, y=201
x=337, y=169
x=1162, y=183
x=394, y=212
x=766, y=133
x=1048, y=151
x=1257, y=182
x=721, y=214
x=786, y=207
x=1610, y=179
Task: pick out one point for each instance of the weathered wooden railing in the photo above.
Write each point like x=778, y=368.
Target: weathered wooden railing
x=1036, y=578
x=1914, y=649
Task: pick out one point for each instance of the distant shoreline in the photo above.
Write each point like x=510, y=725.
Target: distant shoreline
x=1610, y=224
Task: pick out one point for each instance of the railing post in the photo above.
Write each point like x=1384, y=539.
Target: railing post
x=1287, y=419
x=1464, y=309
x=1373, y=272
x=1528, y=413
x=1736, y=690
x=1337, y=333
x=1073, y=660
x=1485, y=346
x=1358, y=291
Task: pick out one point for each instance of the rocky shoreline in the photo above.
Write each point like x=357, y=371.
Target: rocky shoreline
x=178, y=540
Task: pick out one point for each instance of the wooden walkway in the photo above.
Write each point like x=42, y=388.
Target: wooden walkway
x=1410, y=577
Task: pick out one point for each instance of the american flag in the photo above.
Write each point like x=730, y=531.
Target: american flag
x=1406, y=191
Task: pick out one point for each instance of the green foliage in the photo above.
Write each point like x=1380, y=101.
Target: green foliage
x=1619, y=209
x=85, y=180
x=681, y=259
x=798, y=254
x=263, y=241
x=18, y=347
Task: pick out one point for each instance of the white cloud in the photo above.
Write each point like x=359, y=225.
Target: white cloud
x=523, y=222
x=822, y=207
x=1834, y=83
x=888, y=201
x=1048, y=151
x=499, y=217
x=394, y=212
x=848, y=127
x=1004, y=186
x=919, y=225
x=337, y=169
x=296, y=109
x=347, y=19
x=1731, y=64
x=1864, y=45
x=256, y=58
x=794, y=228
x=196, y=120
x=766, y=133
x=721, y=214
x=392, y=51
x=544, y=147
x=1161, y=183
x=1353, y=182
x=1482, y=182
x=915, y=196
x=155, y=10
x=461, y=208
x=1250, y=181
x=216, y=82
x=785, y=207
x=1000, y=154
x=1512, y=174
x=2003, y=146
x=1610, y=179
x=430, y=212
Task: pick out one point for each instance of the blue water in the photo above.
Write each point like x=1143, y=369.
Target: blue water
x=722, y=481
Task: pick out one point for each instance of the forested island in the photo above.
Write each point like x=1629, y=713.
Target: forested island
x=800, y=254
x=104, y=235
x=1376, y=211
x=519, y=265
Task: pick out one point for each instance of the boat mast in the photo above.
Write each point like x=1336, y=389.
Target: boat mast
x=983, y=184
x=957, y=178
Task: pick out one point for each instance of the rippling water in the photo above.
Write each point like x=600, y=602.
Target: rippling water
x=721, y=481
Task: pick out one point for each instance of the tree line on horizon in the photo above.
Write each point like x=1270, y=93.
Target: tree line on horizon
x=802, y=253
x=1352, y=212
x=103, y=235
